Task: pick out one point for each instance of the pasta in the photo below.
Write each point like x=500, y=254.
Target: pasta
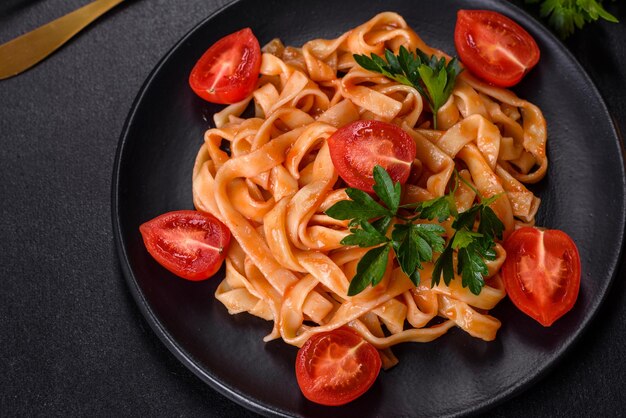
x=270, y=178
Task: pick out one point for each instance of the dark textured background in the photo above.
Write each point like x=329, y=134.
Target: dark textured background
x=72, y=341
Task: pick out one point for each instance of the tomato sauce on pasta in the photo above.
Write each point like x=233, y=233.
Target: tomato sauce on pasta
x=269, y=178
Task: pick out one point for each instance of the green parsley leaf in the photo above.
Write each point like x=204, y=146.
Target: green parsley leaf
x=487, y=248
x=444, y=264
x=472, y=268
x=476, y=247
x=464, y=238
x=595, y=10
x=412, y=243
x=415, y=244
x=382, y=224
x=360, y=210
x=433, y=78
x=441, y=208
x=490, y=224
x=367, y=63
x=378, y=65
x=473, y=248
x=466, y=219
x=361, y=207
x=567, y=15
x=405, y=247
x=388, y=192
x=431, y=234
x=370, y=269
x=392, y=60
x=409, y=66
x=365, y=236
x=439, y=80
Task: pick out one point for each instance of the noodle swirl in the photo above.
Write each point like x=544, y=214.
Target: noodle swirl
x=286, y=263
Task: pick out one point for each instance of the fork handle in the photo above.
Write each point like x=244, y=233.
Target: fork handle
x=27, y=50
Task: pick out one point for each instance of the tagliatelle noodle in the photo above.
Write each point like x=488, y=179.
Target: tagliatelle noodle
x=272, y=187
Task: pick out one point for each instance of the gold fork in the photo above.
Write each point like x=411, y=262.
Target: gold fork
x=27, y=50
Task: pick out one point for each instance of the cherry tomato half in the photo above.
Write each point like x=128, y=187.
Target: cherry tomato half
x=494, y=47
x=190, y=244
x=336, y=367
x=228, y=71
x=357, y=148
x=541, y=273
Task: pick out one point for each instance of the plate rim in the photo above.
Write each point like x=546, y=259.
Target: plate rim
x=256, y=405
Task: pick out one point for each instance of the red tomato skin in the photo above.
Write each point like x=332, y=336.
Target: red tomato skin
x=344, y=339
x=538, y=253
x=477, y=35
x=357, y=147
x=239, y=48
x=166, y=236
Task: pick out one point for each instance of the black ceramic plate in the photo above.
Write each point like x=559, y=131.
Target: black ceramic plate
x=583, y=194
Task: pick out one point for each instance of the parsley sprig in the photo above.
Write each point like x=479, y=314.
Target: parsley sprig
x=567, y=15
x=416, y=243
x=473, y=247
x=432, y=77
x=412, y=243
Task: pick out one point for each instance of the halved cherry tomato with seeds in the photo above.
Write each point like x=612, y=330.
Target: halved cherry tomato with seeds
x=336, y=367
x=228, y=71
x=190, y=244
x=541, y=273
x=494, y=47
x=357, y=148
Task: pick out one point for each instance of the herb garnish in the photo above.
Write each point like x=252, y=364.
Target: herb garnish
x=432, y=77
x=415, y=243
x=411, y=243
x=473, y=248
x=567, y=15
